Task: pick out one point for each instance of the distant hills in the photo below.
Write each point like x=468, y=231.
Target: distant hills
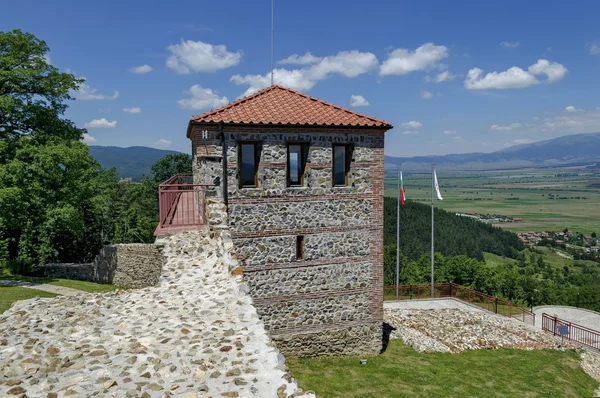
x=579, y=149
x=131, y=162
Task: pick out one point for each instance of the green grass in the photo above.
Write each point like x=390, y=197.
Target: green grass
x=403, y=372
x=495, y=260
x=10, y=294
x=89, y=287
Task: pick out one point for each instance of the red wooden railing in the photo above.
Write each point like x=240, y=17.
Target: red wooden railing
x=181, y=202
x=576, y=333
x=490, y=303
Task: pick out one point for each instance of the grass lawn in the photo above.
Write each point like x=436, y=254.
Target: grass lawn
x=89, y=287
x=403, y=372
x=10, y=294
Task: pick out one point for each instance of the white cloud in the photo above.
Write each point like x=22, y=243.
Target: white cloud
x=441, y=77
x=85, y=92
x=562, y=123
x=346, y=63
x=413, y=124
x=594, y=49
x=133, y=110
x=426, y=95
x=515, y=77
x=100, y=124
x=410, y=132
x=162, y=143
x=141, y=69
x=582, y=121
x=402, y=61
x=571, y=108
x=202, y=98
x=296, y=59
x=449, y=132
x=507, y=127
x=553, y=70
x=519, y=141
x=196, y=56
x=508, y=44
x=457, y=138
x=88, y=139
x=48, y=59
x=358, y=100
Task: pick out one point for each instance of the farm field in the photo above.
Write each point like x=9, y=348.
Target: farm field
x=546, y=199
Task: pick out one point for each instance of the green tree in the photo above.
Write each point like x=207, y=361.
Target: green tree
x=55, y=200
x=32, y=92
x=170, y=165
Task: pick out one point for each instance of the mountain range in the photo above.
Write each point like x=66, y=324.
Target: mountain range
x=131, y=162
x=578, y=149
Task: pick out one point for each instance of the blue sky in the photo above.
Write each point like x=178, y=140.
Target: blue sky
x=452, y=77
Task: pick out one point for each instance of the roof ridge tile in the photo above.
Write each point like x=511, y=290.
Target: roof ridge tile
x=278, y=105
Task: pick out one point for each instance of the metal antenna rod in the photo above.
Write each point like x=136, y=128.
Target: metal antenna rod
x=272, y=37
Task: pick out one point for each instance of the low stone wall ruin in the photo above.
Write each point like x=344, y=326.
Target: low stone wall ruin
x=133, y=265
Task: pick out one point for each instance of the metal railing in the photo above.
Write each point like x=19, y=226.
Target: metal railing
x=181, y=202
x=471, y=296
x=575, y=333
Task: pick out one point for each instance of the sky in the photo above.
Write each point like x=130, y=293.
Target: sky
x=452, y=77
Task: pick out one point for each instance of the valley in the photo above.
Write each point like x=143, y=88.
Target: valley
x=544, y=199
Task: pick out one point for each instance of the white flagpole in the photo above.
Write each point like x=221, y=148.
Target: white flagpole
x=432, y=230
x=398, y=238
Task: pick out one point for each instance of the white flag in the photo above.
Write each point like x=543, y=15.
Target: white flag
x=437, y=186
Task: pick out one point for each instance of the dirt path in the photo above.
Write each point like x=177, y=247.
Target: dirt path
x=63, y=291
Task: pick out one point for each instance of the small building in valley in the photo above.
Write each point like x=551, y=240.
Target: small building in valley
x=303, y=182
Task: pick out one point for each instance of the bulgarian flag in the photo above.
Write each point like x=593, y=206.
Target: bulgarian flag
x=402, y=191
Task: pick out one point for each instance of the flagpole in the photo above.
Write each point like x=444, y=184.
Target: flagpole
x=432, y=229
x=398, y=236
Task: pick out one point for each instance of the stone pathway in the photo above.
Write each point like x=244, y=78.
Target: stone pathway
x=196, y=334
x=63, y=291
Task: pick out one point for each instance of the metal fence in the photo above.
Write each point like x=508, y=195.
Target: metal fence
x=490, y=303
x=181, y=202
x=574, y=332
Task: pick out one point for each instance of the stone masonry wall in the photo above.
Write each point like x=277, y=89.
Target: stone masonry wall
x=134, y=265
x=330, y=301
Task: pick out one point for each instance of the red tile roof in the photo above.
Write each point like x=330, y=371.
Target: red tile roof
x=277, y=105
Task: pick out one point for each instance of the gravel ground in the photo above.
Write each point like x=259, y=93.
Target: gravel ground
x=431, y=304
x=196, y=334
x=590, y=362
x=427, y=330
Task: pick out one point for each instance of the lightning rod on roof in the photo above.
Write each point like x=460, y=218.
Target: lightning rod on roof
x=272, y=38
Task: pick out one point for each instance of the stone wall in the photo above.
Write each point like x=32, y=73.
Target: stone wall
x=134, y=265
x=329, y=301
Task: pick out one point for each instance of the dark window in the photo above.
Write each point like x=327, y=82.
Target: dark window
x=299, y=247
x=296, y=163
x=342, y=154
x=248, y=164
